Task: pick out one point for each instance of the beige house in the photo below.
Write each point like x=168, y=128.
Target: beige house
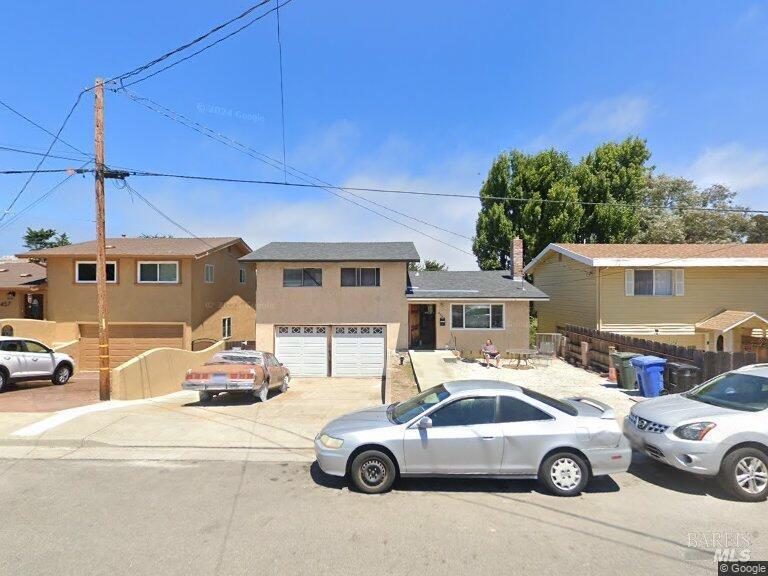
x=162, y=292
x=711, y=296
x=22, y=289
x=338, y=309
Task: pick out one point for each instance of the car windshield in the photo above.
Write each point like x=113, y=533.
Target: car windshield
x=557, y=404
x=235, y=359
x=408, y=410
x=733, y=390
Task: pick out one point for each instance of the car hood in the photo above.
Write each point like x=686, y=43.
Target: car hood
x=670, y=410
x=366, y=419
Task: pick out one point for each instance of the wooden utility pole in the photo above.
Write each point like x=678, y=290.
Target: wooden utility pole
x=101, y=244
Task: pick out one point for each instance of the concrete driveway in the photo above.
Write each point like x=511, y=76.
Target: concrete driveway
x=285, y=426
x=43, y=396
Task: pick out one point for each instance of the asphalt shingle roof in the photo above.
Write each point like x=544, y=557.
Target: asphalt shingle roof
x=19, y=274
x=732, y=250
x=139, y=247
x=470, y=284
x=334, y=252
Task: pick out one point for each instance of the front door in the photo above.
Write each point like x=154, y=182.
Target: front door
x=421, y=318
x=33, y=307
x=464, y=439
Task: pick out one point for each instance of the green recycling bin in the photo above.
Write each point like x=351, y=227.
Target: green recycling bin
x=625, y=372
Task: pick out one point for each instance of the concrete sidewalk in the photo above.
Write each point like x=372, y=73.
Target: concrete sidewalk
x=559, y=379
x=285, y=426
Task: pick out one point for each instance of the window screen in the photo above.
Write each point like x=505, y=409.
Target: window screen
x=643, y=282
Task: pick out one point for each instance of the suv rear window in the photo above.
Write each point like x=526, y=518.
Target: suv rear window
x=557, y=404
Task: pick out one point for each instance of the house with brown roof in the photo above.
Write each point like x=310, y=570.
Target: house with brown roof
x=22, y=289
x=162, y=292
x=711, y=296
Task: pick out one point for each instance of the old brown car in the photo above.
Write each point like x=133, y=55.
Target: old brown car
x=238, y=371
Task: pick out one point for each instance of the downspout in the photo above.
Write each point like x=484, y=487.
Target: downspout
x=597, y=298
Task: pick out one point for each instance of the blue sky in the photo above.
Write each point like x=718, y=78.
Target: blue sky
x=419, y=95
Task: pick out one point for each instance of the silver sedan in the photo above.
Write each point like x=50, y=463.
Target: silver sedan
x=476, y=428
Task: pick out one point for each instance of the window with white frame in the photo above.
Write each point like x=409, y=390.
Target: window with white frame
x=226, y=328
x=85, y=272
x=477, y=316
x=158, y=272
x=361, y=276
x=242, y=276
x=209, y=273
x=655, y=282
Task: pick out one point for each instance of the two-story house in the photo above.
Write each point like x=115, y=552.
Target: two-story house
x=711, y=296
x=22, y=289
x=162, y=292
x=338, y=308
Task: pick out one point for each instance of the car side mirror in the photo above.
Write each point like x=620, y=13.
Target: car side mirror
x=424, y=423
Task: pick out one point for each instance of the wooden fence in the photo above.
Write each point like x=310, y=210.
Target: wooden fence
x=710, y=364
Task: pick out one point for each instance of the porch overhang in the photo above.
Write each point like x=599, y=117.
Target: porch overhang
x=728, y=320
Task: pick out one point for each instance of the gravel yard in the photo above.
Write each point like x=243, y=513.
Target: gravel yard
x=558, y=380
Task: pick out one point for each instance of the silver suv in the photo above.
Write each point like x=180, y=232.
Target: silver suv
x=22, y=359
x=719, y=428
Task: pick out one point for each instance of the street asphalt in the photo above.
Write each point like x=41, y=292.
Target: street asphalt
x=81, y=517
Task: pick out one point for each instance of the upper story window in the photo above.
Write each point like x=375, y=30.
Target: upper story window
x=361, y=276
x=158, y=272
x=477, y=316
x=293, y=277
x=655, y=282
x=209, y=273
x=242, y=276
x=85, y=272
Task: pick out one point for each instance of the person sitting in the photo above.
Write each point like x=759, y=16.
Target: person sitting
x=491, y=353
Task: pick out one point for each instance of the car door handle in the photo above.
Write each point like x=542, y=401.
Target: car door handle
x=489, y=437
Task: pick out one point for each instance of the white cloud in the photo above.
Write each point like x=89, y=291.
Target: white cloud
x=735, y=165
x=611, y=117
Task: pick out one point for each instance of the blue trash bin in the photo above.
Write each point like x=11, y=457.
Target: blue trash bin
x=650, y=375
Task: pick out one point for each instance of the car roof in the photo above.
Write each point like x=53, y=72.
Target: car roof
x=2, y=338
x=460, y=386
x=754, y=370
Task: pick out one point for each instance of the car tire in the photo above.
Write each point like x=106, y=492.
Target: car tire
x=61, y=375
x=284, y=385
x=372, y=472
x=262, y=393
x=744, y=474
x=205, y=396
x=4, y=379
x=564, y=474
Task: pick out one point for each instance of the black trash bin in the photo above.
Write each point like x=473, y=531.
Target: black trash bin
x=681, y=377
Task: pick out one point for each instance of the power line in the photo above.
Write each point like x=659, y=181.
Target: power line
x=35, y=153
x=282, y=91
x=43, y=158
x=32, y=173
x=120, y=79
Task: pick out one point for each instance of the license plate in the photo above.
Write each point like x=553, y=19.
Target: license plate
x=219, y=379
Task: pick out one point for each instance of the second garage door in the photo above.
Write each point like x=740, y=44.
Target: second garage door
x=358, y=351
x=126, y=341
x=303, y=349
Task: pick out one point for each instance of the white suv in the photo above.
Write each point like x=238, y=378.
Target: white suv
x=22, y=359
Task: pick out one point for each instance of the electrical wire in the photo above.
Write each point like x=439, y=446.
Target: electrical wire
x=282, y=91
x=35, y=153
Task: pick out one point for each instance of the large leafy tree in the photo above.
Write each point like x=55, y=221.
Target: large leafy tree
x=611, y=179
x=759, y=229
x=676, y=210
x=528, y=195
x=42, y=238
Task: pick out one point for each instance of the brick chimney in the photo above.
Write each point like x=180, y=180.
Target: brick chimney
x=516, y=258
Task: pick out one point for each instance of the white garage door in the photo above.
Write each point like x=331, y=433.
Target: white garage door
x=303, y=349
x=358, y=351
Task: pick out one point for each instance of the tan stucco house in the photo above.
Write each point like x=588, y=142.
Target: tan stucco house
x=711, y=296
x=22, y=289
x=162, y=292
x=340, y=308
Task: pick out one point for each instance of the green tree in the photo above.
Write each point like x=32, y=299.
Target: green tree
x=42, y=238
x=613, y=175
x=677, y=211
x=429, y=265
x=759, y=229
x=540, y=205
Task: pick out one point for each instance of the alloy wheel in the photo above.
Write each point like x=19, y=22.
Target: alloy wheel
x=373, y=472
x=63, y=375
x=752, y=475
x=565, y=474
